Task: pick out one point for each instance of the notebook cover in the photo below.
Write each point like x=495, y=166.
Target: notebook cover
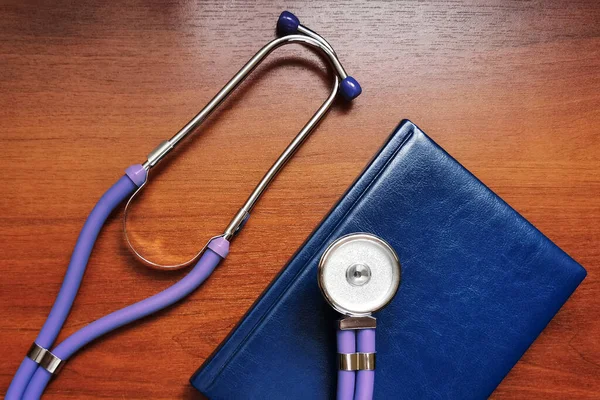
x=479, y=283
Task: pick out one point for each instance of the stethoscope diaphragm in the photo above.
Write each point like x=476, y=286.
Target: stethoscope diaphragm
x=359, y=274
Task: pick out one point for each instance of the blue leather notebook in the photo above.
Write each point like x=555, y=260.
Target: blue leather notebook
x=479, y=283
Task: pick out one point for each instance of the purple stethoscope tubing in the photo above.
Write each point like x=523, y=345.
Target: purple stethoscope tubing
x=355, y=385
x=70, y=286
x=30, y=379
x=205, y=266
x=346, y=344
x=365, y=379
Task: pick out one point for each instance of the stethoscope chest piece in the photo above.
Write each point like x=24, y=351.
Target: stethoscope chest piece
x=359, y=274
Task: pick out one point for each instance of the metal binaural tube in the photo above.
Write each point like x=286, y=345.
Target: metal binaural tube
x=343, y=84
x=310, y=33
x=239, y=219
x=167, y=146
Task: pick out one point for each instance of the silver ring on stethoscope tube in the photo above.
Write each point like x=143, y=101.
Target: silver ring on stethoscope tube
x=45, y=358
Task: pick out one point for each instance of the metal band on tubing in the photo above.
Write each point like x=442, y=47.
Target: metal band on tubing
x=45, y=358
x=51, y=363
x=357, y=362
x=36, y=352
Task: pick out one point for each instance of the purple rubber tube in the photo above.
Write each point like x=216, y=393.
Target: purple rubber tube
x=216, y=251
x=21, y=379
x=346, y=344
x=64, y=301
x=365, y=380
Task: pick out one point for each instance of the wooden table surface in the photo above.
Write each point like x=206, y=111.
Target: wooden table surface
x=511, y=89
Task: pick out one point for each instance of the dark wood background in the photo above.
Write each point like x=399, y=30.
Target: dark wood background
x=511, y=89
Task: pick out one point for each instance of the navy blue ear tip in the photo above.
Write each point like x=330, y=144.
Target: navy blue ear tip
x=287, y=24
x=350, y=88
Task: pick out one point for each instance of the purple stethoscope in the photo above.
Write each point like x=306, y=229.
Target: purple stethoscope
x=358, y=275
x=41, y=363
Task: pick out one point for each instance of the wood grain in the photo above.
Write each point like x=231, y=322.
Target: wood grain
x=511, y=89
